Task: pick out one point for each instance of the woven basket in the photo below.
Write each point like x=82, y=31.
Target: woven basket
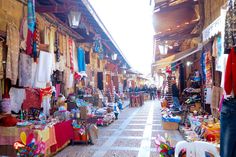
x=170, y=125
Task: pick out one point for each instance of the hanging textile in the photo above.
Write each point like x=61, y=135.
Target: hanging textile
x=57, y=50
x=60, y=43
x=81, y=60
x=208, y=61
x=67, y=51
x=13, y=42
x=36, y=42
x=230, y=27
x=70, y=45
x=45, y=98
x=87, y=57
x=31, y=26
x=32, y=99
x=217, y=52
x=52, y=46
x=23, y=33
x=17, y=96
x=44, y=70
x=25, y=68
x=1, y=60
x=216, y=96
x=75, y=58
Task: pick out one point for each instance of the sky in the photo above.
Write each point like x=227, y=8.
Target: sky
x=130, y=24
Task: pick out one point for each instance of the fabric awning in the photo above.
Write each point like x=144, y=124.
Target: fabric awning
x=163, y=63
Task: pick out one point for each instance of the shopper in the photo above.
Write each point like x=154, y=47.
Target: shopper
x=175, y=95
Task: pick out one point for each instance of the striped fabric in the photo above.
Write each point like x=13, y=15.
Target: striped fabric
x=71, y=55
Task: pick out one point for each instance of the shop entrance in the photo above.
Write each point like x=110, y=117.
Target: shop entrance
x=100, y=80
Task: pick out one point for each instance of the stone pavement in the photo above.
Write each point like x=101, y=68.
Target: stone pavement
x=132, y=135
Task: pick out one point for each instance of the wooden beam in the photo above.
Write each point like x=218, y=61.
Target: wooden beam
x=85, y=41
x=179, y=37
x=53, y=9
x=177, y=6
x=202, y=14
x=57, y=22
x=187, y=29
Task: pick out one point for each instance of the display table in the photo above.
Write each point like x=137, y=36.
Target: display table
x=64, y=133
x=55, y=137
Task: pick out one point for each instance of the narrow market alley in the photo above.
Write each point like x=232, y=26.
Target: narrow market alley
x=132, y=135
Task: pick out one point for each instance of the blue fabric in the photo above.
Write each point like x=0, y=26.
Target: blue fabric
x=228, y=129
x=176, y=102
x=171, y=119
x=81, y=60
x=203, y=65
x=31, y=15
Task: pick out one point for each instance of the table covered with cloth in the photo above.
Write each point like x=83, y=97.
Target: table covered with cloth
x=64, y=133
x=55, y=137
x=9, y=135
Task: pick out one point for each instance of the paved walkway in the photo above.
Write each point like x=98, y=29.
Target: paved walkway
x=132, y=135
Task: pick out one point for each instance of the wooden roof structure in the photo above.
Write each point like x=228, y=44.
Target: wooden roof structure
x=175, y=22
x=176, y=19
x=59, y=9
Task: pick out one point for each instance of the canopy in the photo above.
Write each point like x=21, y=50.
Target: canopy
x=163, y=63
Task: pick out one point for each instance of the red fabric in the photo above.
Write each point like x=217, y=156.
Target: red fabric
x=77, y=76
x=64, y=133
x=8, y=121
x=29, y=43
x=230, y=73
x=32, y=99
x=58, y=90
x=45, y=92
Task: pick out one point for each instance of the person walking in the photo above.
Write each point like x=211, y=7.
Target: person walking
x=175, y=95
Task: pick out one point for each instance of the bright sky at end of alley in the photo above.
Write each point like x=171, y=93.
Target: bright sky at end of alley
x=130, y=24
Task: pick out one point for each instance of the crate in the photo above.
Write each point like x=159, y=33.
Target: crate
x=170, y=125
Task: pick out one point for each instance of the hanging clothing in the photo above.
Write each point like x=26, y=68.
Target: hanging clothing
x=87, y=57
x=46, y=105
x=67, y=53
x=36, y=42
x=57, y=49
x=45, y=98
x=70, y=44
x=44, y=69
x=81, y=60
x=35, y=82
x=230, y=74
x=51, y=46
x=1, y=60
x=13, y=42
x=31, y=26
x=32, y=99
x=75, y=59
x=230, y=27
x=17, y=96
x=203, y=66
x=216, y=97
x=25, y=67
x=23, y=33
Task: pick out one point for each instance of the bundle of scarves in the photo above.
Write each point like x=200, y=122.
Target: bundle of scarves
x=32, y=36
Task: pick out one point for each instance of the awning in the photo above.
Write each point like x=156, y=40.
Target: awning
x=163, y=63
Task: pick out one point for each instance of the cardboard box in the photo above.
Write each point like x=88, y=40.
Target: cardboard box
x=83, y=112
x=170, y=125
